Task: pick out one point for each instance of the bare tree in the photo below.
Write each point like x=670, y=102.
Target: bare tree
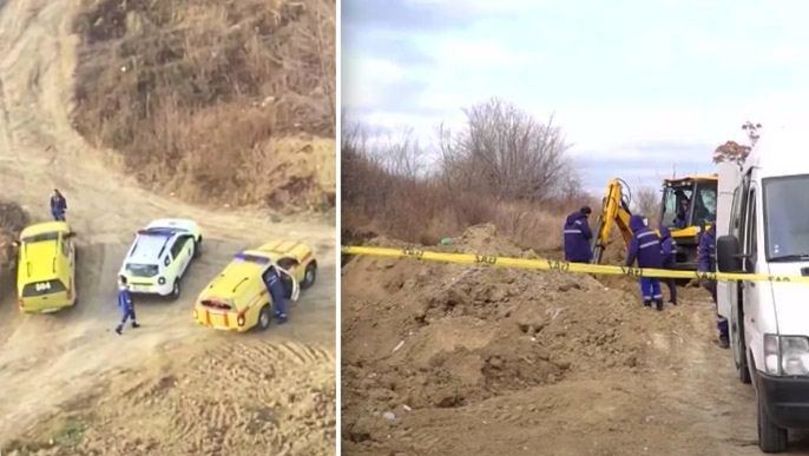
x=647, y=202
x=503, y=151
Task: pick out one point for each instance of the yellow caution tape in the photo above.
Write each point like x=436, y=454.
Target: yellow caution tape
x=562, y=266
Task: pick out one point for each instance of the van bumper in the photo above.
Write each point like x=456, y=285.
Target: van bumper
x=786, y=399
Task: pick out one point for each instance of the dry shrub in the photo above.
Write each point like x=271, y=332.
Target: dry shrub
x=197, y=94
x=13, y=219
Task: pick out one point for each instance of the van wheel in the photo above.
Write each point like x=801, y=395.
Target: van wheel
x=264, y=318
x=175, y=291
x=736, y=327
x=309, y=276
x=198, y=247
x=771, y=438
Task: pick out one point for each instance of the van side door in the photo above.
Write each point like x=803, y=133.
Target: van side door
x=750, y=298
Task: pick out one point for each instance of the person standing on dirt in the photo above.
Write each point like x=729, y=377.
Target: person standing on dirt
x=645, y=248
x=58, y=205
x=125, y=305
x=577, y=237
x=272, y=279
x=668, y=247
x=706, y=254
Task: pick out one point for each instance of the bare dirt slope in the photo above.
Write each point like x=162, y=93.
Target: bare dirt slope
x=451, y=360
x=70, y=385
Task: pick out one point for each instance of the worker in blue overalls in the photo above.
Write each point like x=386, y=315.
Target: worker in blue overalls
x=58, y=205
x=645, y=247
x=272, y=279
x=125, y=305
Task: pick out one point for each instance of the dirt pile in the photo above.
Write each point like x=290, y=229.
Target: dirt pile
x=216, y=101
x=431, y=336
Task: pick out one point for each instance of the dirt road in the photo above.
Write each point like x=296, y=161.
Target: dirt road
x=451, y=360
x=72, y=385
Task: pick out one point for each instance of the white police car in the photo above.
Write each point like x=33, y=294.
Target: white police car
x=160, y=255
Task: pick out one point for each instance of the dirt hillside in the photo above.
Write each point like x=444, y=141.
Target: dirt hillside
x=216, y=101
x=452, y=360
x=70, y=385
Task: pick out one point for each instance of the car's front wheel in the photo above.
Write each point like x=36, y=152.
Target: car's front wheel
x=264, y=318
x=771, y=438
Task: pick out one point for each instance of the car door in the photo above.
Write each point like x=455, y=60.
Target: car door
x=728, y=292
x=750, y=299
x=292, y=293
x=183, y=252
x=177, y=261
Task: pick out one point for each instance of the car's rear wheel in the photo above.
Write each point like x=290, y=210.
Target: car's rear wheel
x=176, y=290
x=310, y=276
x=264, y=318
x=198, y=247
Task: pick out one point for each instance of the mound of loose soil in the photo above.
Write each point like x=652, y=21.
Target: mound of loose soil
x=426, y=335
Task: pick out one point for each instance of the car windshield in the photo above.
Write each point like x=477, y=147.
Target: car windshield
x=786, y=217
x=42, y=237
x=142, y=270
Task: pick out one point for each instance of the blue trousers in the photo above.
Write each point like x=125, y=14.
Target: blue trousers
x=129, y=314
x=58, y=216
x=279, y=299
x=650, y=288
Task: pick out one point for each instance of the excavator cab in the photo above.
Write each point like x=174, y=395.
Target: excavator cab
x=689, y=206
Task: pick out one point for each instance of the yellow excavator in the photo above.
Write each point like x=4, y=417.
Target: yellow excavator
x=688, y=205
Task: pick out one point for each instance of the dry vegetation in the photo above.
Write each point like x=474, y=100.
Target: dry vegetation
x=12, y=220
x=217, y=100
x=503, y=167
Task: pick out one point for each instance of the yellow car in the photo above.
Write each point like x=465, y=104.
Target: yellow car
x=238, y=299
x=46, y=268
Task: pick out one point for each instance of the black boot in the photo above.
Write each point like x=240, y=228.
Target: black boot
x=659, y=304
x=723, y=341
x=135, y=324
x=647, y=303
x=118, y=329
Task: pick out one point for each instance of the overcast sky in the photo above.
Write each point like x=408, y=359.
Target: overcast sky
x=637, y=86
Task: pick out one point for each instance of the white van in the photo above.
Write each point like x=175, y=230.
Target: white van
x=765, y=230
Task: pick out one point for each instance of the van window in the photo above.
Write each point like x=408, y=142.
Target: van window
x=786, y=218
x=734, y=213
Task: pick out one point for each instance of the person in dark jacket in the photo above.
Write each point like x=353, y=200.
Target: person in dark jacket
x=577, y=237
x=681, y=218
x=706, y=255
x=645, y=248
x=58, y=205
x=125, y=305
x=278, y=293
x=668, y=247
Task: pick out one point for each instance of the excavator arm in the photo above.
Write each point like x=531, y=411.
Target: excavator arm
x=614, y=212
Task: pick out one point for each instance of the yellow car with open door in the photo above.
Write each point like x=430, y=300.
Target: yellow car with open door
x=46, y=268
x=238, y=299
